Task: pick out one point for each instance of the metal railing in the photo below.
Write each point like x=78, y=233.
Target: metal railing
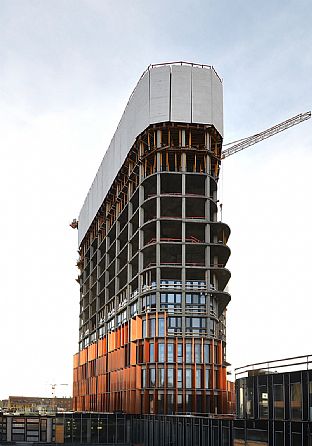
x=275, y=366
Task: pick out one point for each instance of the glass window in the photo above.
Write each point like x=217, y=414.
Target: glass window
x=143, y=378
x=170, y=407
x=170, y=381
x=206, y=354
x=188, y=378
x=195, y=324
x=170, y=302
x=152, y=331
x=198, y=353
x=180, y=403
x=188, y=298
x=198, y=379
x=216, y=353
x=143, y=328
x=295, y=401
x=188, y=353
x=161, y=400
x=249, y=398
x=170, y=298
x=161, y=377
x=278, y=390
x=216, y=376
x=195, y=299
x=188, y=404
x=263, y=401
x=152, y=352
x=133, y=309
x=140, y=354
x=152, y=376
x=161, y=327
x=180, y=378
x=296, y=439
x=174, y=325
x=310, y=400
x=212, y=326
x=207, y=378
x=279, y=439
x=180, y=353
x=149, y=301
x=161, y=352
x=170, y=353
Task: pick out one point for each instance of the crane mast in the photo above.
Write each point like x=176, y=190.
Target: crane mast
x=251, y=140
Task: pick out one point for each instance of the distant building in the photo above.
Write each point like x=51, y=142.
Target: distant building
x=28, y=404
x=153, y=277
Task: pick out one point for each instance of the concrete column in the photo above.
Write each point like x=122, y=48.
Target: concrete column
x=141, y=234
x=158, y=232
x=9, y=428
x=129, y=249
x=49, y=430
x=183, y=138
x=117, y=261
x=158, y=138
x=183, y=214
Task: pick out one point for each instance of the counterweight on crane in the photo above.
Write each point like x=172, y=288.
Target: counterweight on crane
x=249, y=141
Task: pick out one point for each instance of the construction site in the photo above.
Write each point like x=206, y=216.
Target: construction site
x=153, y=254
x=151, y=366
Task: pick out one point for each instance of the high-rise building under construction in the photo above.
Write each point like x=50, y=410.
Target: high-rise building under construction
x=153, y=254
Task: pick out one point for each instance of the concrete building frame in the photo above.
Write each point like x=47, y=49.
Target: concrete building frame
x=152, y=275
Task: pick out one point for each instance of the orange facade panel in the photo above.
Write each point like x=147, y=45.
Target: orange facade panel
x=76, y=360
x=135, y=328
x=133, y=358
x=83, y=356
x=92, y=352
x=115, y=381
x=101, y=347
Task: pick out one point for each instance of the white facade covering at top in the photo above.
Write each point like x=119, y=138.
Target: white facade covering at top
x=177, y=92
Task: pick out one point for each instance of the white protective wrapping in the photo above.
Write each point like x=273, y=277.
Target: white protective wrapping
x=171, y=92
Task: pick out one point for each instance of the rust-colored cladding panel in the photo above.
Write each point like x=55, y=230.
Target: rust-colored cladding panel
x=75, y=375
x=92, y=352
x=76, y=360
x=83, y=356
x=132, y=353
x=91, y=391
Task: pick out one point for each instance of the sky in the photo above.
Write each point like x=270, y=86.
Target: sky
x=67, y=69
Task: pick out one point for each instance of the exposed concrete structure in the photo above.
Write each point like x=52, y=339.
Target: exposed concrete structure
x=187, y=93
x=153, y=255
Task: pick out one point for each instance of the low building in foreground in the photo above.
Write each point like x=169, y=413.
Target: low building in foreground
x=274, y=403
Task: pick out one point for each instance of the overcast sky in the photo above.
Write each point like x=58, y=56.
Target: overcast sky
x=67, y=68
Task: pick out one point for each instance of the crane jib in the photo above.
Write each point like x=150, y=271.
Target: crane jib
x=251, y=140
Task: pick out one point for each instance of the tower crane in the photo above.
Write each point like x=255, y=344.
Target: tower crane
x=242, y=144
